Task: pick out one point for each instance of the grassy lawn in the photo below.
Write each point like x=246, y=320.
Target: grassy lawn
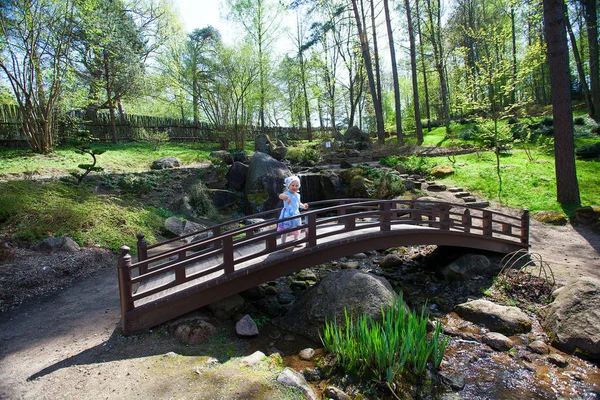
x=525, y=184
x=123, y=157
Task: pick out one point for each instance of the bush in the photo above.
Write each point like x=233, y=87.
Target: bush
x=153, y=136
x=299, y=155
x=589, y=151
x=385, y=350
x=202, y=204
x=388, y=186
x=579, y=121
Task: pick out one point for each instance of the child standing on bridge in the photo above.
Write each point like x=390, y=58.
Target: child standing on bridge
x=291, y=207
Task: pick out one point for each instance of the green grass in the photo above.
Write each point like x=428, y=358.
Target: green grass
x=123, y=157
x=32, y=211
x=525, y=184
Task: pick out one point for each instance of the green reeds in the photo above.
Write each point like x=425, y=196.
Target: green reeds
x=385, y=350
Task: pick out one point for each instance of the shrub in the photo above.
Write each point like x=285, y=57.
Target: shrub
x=202, y=203
x=388, y=349
x=153, y=136
x=589, y=151
x=548, y=121
x=579, y=121
x=388, y=186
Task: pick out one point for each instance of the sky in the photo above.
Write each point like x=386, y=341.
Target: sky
x=200, y=13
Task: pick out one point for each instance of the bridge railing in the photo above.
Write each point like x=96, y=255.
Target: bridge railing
x=225, y=247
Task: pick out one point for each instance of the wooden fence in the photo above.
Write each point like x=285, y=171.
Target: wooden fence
x=133, y=127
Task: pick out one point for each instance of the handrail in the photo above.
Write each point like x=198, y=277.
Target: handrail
x=223, y=252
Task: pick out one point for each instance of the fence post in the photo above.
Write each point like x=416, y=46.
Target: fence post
x=525, y=227
x=216, y=232
x=384, y=216
x=125, y=295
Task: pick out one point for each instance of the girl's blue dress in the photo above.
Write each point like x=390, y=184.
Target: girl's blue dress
x=290, y=210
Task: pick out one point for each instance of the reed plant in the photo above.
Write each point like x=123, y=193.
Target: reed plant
x=386, y=350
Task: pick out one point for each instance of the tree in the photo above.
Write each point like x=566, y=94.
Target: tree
x=260, y=20
x=35, y=43
x=567, y=188
x=591, y=18
x=388, y=24
x=413, y=69
x=366, y=53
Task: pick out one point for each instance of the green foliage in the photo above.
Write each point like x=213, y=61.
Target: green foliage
x=81, y=140
x=299, y=155
x=202, y=203
x=386, y=349
x=413, y=164
x=155, y=137
x=32, y=211
x=589, y=151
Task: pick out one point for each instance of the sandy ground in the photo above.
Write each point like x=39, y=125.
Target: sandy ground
x=68, y=345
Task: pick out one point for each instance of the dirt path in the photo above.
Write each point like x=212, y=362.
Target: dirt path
x=67, y=345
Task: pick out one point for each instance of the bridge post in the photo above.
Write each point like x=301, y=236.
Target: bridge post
x=125, y=295
x=216, y=232
x=525, y=227
x=228, y=254
x=384, y=216
x=142, y=250
x=487, y=223
x=467, y=221
x=311, y=230
x=445, y=217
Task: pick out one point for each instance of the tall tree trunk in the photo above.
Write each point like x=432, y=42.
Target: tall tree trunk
x=109, y=98
x=567, y=188
x=422, y=54
x=305, y=93
x=376, y=61
x=364, y=45
x=591, y=17
x=513, y=92
x=388, y=23
x=413, y=68
x=584, y=86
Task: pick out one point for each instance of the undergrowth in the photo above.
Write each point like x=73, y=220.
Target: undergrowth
x=32, y=211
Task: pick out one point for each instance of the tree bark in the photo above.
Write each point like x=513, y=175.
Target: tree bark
x=591, y=17
x=413, y=67
x=109, y=99
x=584, y=86
x=388, y=23
x=422, y=54
x=567, y=188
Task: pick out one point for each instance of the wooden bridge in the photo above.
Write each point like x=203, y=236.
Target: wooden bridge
x=170, y=279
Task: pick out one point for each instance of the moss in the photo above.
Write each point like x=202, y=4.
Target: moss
x=551, y=217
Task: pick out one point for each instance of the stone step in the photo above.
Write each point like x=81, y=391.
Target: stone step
x=461, y=194
x=456, y=189
x=469, y=199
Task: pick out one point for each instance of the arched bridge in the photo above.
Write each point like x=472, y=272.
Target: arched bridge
x=170, y=279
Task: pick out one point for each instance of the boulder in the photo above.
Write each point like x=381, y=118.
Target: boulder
x=228, y=307
x=236, y=176
x=465, y=267
x=166, y=163
x=357, y=292
x=240, y=156
x=246, y=327
x=180, y=227
x=574, y=318
x=311, y=189
x=264, y=183
x=223, y=155
x=440, y=171
x=332, y=186
x=497, y=318
x=58, y=243
x=192, y=330
x=224, y=199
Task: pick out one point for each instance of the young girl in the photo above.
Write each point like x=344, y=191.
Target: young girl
x=291, y=206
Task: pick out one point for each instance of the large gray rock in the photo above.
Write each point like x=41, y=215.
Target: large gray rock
x=497, y=318
x=311, y=189
x=289, y=377
x=224, y=199
x=358, y=292
x=264, y=183
x=166, y=163
x=465, y=267
x=236, y=176
x=184, y=227
x=223, y=155
x=574, y=318
x=332, y=186
x=58, y=243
